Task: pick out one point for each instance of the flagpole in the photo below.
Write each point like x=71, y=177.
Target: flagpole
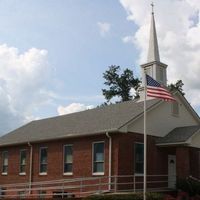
x=145, y=137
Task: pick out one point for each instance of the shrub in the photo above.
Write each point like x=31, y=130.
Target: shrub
x=188, y=185
x=154, y=196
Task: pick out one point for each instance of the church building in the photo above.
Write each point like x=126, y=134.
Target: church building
x=101, y=149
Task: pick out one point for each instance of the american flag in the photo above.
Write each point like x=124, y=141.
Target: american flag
x=155, y=89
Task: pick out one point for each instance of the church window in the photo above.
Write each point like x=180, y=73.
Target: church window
x=68, y=159
x=5, y=162
x=22, y=169
x=139, y=158
x=98, y=158
x=43, y=160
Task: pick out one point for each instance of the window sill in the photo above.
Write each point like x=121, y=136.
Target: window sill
x=138, y=174
x=22, y=174
x=4, y=174
x=98, y=173
x=68, y=174
x=43, y=174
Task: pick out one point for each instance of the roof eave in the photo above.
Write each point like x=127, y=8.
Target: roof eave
x=62, y=137
x=188, y=106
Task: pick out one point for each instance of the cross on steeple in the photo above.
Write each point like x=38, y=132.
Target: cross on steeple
x=153, y=53
x=152, y=5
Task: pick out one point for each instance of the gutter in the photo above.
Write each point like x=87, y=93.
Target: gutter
x=30, y=166
x=110, y=161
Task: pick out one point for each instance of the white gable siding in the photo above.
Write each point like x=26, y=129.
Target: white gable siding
x=195, y=141
x=160, y=120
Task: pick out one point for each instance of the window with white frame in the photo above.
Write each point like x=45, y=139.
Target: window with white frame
x=68, y=159
x=43, y=160
x=139, y=158
x=98, y=157
x=22, y=168
x=4, y=162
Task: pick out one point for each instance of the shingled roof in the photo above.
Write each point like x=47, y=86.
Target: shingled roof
x=178, y=135
x=94, y=121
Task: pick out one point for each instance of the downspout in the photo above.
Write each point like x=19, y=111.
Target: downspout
x=110, y=160
x=30, y=166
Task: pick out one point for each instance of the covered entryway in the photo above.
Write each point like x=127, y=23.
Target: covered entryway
x=182, y=148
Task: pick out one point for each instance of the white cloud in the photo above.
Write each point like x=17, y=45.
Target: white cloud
x=23, y=80
x=73, y=107
x=128, y=39
x=133, y=92
x=104, y=28
x=82, y=98
x=178, y=30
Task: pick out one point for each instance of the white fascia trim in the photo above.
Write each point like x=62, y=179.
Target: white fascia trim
x=172, y=143
x=188, y=106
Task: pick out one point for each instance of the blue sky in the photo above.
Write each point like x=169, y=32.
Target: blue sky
x=68, y=31
x=53, y=53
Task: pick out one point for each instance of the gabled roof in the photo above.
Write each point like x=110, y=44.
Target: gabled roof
x=94, y=121
x=178, y=135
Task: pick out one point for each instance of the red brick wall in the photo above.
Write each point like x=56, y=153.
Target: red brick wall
x=182, y=161
x=156, y=158
x=195, y=162
x=13, y=165
x=115, y=153
x=188, y=161
x=122, y=158
x=82, y=160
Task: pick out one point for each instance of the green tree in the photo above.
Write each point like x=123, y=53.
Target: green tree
x=119, y=84
x=177, y=86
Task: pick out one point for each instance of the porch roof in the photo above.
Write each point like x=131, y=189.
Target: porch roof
x=178, y=135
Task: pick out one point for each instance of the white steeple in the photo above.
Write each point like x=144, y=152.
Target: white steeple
x=153, y=67
x=153, y=53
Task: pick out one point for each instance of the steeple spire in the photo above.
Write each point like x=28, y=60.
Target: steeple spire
x=153, y=53
x=153, y=67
